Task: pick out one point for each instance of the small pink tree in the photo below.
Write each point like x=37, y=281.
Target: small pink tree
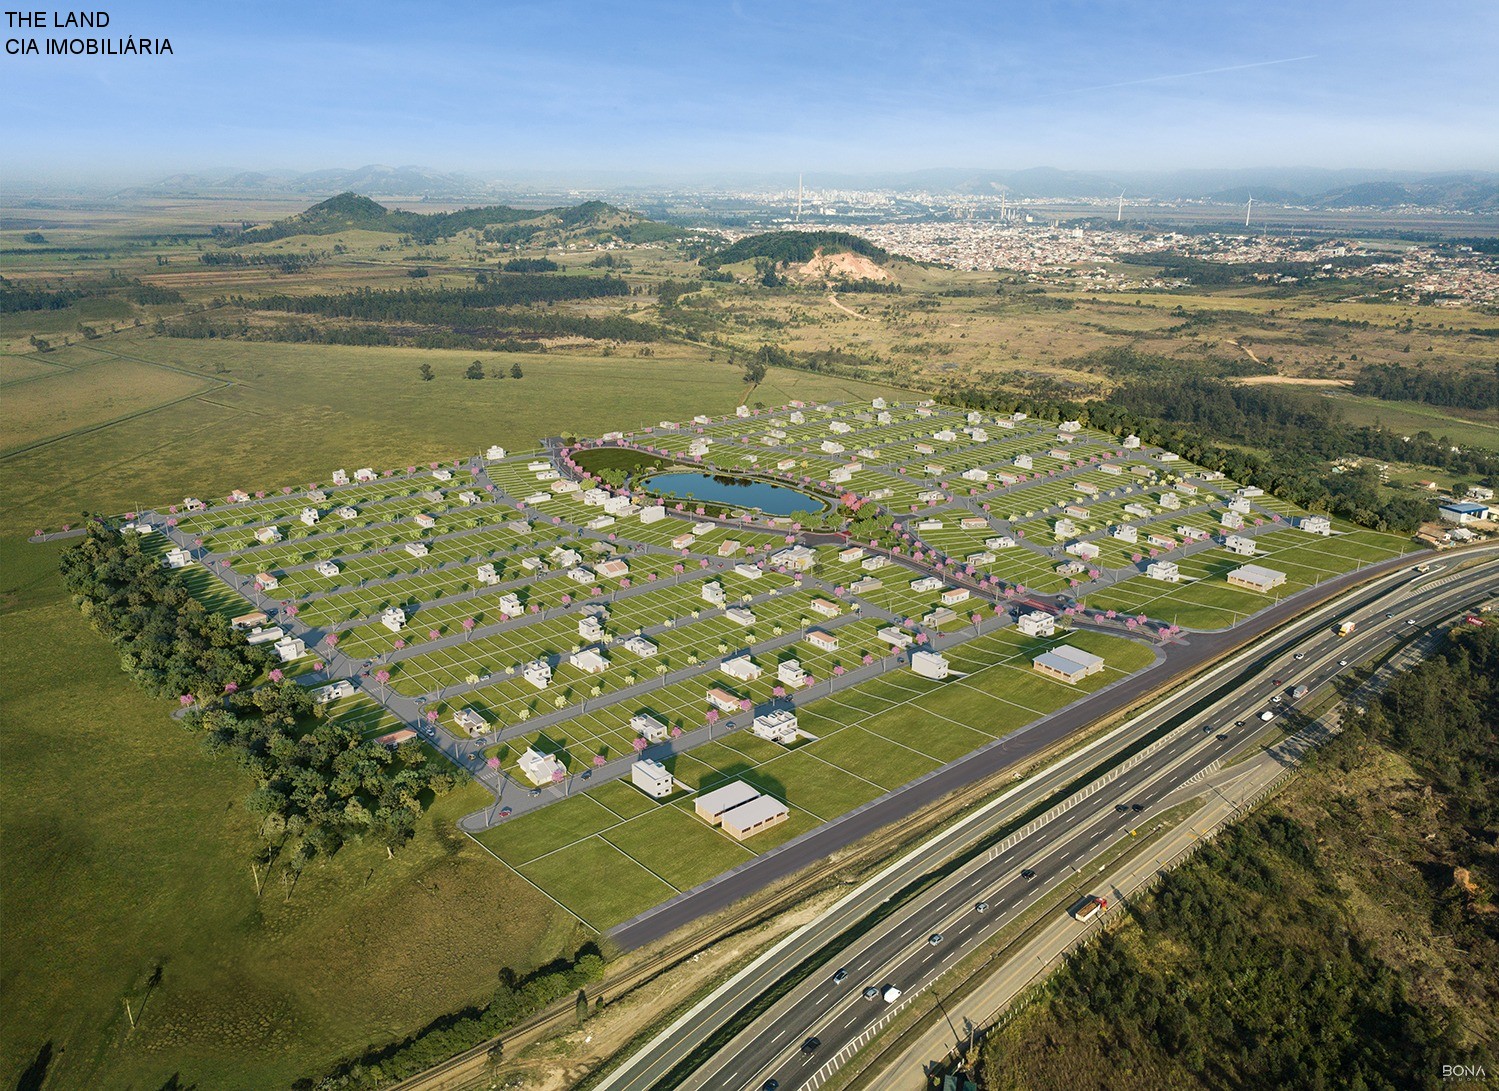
x=468, y=627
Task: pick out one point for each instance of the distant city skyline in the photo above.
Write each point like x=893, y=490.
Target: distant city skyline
x=668, y=89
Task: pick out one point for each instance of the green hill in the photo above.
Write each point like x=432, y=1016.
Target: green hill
x=499, y=223
x=795, y=247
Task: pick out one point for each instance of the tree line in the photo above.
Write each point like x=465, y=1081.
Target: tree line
x=800, y=247
x=1465, y=390
x=318, y=784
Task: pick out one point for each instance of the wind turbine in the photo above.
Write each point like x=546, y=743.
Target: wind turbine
x=1119, y=217
x=1247, y=209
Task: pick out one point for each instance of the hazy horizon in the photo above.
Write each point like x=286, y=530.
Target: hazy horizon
x=665, y=89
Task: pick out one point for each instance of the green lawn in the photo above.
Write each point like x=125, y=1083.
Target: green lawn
x=127, y=848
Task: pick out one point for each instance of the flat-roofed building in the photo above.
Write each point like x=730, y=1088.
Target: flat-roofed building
x=1165, y=571
x=929, y=665
x=471, y=721
x=741, y=668
x=790, y=673
x=649, y=728
x=1315, y=524
x=1037, y=623
x=778, y=726
x=652, y=778
x=1237, y=543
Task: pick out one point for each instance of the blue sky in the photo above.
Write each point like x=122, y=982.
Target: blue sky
x=669, y=88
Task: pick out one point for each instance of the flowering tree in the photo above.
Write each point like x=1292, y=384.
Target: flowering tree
x=276, y=675
x=468, y=627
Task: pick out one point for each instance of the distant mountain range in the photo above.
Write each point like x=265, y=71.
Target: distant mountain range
x=501, y=223
x=1317, y=188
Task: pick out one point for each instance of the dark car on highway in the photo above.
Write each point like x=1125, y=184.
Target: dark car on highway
x=1027, y=874
x=811, y=1044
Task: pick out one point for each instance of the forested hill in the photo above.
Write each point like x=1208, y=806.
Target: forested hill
x=795, y=247
x=500, y=223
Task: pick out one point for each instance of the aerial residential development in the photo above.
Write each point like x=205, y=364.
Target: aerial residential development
x=750, y=547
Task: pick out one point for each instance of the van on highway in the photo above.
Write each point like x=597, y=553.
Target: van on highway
x=892, y=994
x=1267, y=715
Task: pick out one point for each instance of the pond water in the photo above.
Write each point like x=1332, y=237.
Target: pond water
x=731, y=492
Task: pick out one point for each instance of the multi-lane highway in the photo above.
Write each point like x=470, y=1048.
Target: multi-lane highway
x=805, y=1034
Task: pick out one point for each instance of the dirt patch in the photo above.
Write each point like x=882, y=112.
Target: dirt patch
x=844, y=266
x=1287, y=380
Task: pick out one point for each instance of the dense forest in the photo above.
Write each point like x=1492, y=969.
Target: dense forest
x=493, y=315
x=15, y=299
x=1338, y=940
x=794, y=247
x=1466, y=390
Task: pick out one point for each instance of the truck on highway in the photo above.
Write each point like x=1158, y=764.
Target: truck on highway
x=1089, y=908
x=1299, y=691
x=1345, y=627
x=1267, y=715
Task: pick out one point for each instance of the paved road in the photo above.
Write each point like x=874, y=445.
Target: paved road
x=1180, y=659
x=688, y=1033
x=915, y=946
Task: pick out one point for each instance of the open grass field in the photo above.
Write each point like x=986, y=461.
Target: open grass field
x=292, y=413
x=612, y=852
x=1465, y=428
x=127, y=849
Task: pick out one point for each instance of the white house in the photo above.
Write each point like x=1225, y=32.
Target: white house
x=614, y=569
x=393, y=618
x=740, y=615
x=1023, y=462
x=509, y=604
x=652, y=778
x=954, y=595
x=873, y=563
x=798, y=558
x=649, y=728
x=1063, y=528
x=1232, y=520
x=851, y=554
x=1003, y=541
x=722, y=700
x=289, y=649
x=1237, y=543
x=494, y=453
x=778, y=726
x=926, y=583
x=929, y=665
x=590, y=628
x=333, y=691
x=712, y=592
x=347, y=512
x=639, y=645
x=741, y=668
x=266, y=635
x=1125, y=533
x=178, y=558
x=896, y=637
x=539, y=768
x=364, y=474
x=1086, y=550
x=973, y=522
x=1037, y=623
x=470, y=720
x=749, y=571
x=790, y=673
x=1165, y=571
x=417, y=549
x=340, y=477
x=267, y=535
x=309, y=517
x=1315, y=524
x=327, y=568
x=581, y=575
x=823, y=641
x=589, y=660
x=486, y=574
x=266, y=582
x=538, y=672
